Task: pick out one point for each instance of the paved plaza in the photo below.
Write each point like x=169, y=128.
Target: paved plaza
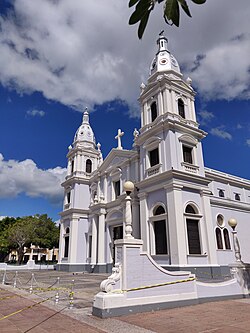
x=38, y=312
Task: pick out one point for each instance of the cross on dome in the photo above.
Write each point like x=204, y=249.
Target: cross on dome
x=118, y=138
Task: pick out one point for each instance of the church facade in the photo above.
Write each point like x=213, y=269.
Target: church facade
x=180, y=208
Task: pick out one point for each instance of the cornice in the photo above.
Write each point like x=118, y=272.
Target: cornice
x=235, y=205
x=71, y=212
x=227, y=178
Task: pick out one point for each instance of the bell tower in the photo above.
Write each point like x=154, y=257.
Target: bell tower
x=170, y=137
x=84, y=157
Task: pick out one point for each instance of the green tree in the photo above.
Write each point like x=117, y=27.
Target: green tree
x=20, y=234
x=5, y=223
x=39, y=230
x=171, y=11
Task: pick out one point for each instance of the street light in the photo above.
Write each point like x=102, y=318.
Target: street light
x=233, y=223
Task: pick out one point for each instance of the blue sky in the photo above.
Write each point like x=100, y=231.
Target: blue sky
x=55, y=61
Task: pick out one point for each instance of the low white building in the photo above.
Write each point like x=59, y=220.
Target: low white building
x=180, y=208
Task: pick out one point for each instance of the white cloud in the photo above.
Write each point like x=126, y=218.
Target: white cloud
x=25, y=177
x=248, y=142
x=221, y=133
x=205, y=117
x=223, y=72
x=83, y=52
x=34, y=113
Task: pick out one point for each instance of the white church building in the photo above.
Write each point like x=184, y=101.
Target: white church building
x=180, y=208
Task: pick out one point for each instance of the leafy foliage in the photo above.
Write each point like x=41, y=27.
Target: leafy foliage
x=171, y=13
x=18, y=233
x=4, y=242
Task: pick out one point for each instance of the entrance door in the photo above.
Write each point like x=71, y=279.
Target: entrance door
x=117, y=234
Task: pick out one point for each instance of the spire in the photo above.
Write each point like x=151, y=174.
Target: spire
x=162, y=42
x=85, y=118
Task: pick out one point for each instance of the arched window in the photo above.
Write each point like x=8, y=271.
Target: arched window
x=181, y=108
x=161, y=246
x=190, y=209
x=193, y=231
x=219, y=239
x=88, y=166
x=66, y=243
x=221, y=193
x=153, y=108
x=222, y=234
x=226, y=239
x=72, y=166
x=237, y=196
x=159, y=210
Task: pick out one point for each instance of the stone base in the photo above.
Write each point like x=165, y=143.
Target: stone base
x=65, y=267
x=139, y=284
x=203, y=272
x=126, y=310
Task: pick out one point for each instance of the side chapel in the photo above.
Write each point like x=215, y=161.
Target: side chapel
x=180, y=208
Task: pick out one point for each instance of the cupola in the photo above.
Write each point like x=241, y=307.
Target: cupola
x=163, y=60
x=85, y=135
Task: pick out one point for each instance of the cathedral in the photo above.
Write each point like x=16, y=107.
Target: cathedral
x=180, y=208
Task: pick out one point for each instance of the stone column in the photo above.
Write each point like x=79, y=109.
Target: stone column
x=61, y=243
x=136, y=218
x=173, y=102
x=193, y=110
x=73, y=240
x=160, y=103
x=101, y=238
x=94, y=241
x=177, y=231
x=144, y=220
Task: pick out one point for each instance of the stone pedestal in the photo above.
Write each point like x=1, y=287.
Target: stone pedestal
x=241, y=272
x=138, y=284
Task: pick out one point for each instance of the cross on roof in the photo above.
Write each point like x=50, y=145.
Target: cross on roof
x=118, y=138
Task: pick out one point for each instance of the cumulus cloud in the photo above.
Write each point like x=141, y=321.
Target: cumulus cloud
x=224, y=72
x=34, y=113
x=221, y=133
x=248, y=142
x=25, y=177
x=84, y=53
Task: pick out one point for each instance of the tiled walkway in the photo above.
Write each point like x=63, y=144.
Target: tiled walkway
x=37, y=319
x=218, y=317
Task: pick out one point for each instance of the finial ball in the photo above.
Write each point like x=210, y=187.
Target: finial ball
x=128, y=186
x=232, y=223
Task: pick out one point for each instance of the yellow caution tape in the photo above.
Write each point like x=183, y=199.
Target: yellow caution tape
x=153, y=285
x=6, y=297
x=25, y=308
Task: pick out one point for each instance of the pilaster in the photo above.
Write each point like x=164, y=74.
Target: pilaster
x=144, y=220
x=177, y=231
x=94, y=241
x=209, y=228
x=101, y=237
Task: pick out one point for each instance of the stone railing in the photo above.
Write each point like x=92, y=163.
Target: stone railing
x=190, y=167
x=153, y=170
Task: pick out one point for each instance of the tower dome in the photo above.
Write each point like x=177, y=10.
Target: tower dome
x=163, y=60
x=85, y=135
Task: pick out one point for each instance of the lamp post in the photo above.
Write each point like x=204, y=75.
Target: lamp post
x=233, y=223
x=128, y=188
